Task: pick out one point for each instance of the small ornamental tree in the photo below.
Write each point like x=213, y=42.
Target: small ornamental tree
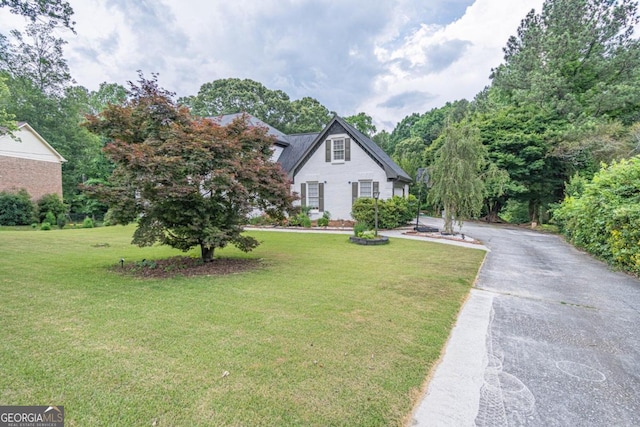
x=187, y=182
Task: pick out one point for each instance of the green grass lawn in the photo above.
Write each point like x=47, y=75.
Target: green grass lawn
x=323, y=333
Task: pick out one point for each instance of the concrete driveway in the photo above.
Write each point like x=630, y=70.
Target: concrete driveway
x=548, y=337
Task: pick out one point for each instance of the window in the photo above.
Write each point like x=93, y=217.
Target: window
x=338, y=150
x=313, y=195
x=366, y=189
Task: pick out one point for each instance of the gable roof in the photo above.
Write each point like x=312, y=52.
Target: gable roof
x=392, y=170
x=48, y=154
x=224, y=120
x=298, y=148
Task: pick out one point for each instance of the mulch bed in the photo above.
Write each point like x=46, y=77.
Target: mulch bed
x=186, y=266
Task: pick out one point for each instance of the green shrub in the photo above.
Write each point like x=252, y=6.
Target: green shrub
x=605, y=218
x=45, y=226
x=50, y=218
x=392, y=213
x=61, y=220
x=367, y=234
x=87, y=223
x=51, y=203
x=16, y=208
x=359, y=227
x=324, y=221
x=515, y=212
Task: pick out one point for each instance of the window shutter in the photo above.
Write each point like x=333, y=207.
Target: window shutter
x=327, y=150
x=354, y=192
x=347, y=150
x=321, y=196
x=376, y=187
x=303, y=194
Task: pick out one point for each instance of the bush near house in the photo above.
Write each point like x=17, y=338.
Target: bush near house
x=16, y=208
x=604, y=218
x=392, y=213
x=51, y=203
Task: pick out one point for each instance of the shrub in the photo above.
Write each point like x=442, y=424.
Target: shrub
x=324, y=221
x=87, y=223
x=45, y=226
x=50, y=203
x=392, y=213
x=61, y=220
x=109, y=220
x=605, y=218
x=50, y=218
x=359, y=228
x=16, y=208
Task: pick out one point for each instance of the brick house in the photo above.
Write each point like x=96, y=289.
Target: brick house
x=28, y=162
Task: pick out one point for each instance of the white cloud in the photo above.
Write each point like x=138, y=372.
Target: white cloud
x=388, y=58
x=480, y=34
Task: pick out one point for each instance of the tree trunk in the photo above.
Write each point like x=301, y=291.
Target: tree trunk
x=206, y=253
x=448, y=220
x=492, y=212
x=534, y=212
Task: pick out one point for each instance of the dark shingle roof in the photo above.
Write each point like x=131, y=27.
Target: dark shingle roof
x=299, y=147
x=392, y=170
x=253, y=121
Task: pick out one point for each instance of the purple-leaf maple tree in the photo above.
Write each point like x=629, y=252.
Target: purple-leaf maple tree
x=187, y=182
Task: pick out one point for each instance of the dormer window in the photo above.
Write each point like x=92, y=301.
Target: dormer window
x=338, y=149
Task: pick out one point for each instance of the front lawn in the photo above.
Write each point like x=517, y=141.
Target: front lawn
x=324, y=332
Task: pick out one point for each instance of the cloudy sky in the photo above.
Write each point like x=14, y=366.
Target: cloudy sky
x=388, y=58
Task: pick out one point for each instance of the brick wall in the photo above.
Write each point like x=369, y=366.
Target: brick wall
x=38, y=178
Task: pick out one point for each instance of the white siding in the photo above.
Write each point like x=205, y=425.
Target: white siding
x=337, y=179
x=29, y=146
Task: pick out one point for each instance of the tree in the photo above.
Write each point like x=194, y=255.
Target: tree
x=363, y=122
x=57, y=11
x=229, y=96
x=186, y=181
x=520, y=141
x=383, y=139
x=578, y=58
x=39, y=60
x=7, y=120
x=108, y=93
x=307, y=115
x=456, y=174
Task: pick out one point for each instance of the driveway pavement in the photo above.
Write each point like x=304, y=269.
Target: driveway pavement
x=548, y=337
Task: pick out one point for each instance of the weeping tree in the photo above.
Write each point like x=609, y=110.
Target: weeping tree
x=457, y=174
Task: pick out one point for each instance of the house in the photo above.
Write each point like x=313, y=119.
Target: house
x=331, y=169
x=28, y=162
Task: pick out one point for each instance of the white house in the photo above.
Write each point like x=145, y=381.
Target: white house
x=331, y=169
x=28, y=162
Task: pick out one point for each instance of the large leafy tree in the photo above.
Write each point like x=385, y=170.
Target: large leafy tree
x=228, y=96
x=307, y=115
x=188, y=182
x=363, y=122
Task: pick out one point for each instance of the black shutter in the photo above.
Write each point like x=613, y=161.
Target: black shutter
x=347, y=150
x=354, y=192
x=303, y=194
x=327, y=150
x=321, y=196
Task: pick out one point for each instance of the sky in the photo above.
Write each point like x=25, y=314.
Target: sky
x=387, y=58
